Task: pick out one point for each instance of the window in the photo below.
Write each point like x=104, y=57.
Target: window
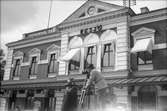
x=16, y=70
x=144, y=61
x=108, y=57
x=91, y=56
x=33, y=67
x=144, y=58
x=53, y=64
x=74, y=63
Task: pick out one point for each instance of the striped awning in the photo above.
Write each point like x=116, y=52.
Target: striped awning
x=138, y=80
x=112, y=82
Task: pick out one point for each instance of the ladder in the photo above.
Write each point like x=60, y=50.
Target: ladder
x=83, y=92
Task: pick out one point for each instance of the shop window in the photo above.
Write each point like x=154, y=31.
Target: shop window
x=74, y=63
x=90, y=56
x=16, y=70
x=53, y=64
x=108, y=58
x=33, y=67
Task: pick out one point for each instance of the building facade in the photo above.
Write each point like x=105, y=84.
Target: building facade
x=129, y=50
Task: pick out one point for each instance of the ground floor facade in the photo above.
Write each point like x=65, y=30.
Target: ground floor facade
x=147, y=93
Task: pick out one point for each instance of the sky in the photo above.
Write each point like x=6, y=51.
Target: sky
x=18, y=17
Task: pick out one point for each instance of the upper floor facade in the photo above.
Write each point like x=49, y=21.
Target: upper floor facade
x=112, y=38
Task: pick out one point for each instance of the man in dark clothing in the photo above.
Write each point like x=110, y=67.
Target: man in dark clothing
x=70, y=98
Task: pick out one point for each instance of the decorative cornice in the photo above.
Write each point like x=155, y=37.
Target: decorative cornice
x=135, y=20
x=93, y=19
x=45, y=38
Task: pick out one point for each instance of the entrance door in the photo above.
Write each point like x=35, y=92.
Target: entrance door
x=147, y=98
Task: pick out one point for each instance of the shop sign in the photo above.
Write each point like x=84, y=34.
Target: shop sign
x=91, y=30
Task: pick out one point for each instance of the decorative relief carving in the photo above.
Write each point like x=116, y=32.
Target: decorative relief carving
x=18, y=54
x=53, y=47
x=34, y=51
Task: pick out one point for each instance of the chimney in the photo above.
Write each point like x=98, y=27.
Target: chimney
x=144, y=10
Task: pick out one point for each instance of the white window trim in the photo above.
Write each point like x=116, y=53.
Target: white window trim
x=149, y=33
x=20, y=56
x=102, y=45
x=50, y=75
x=80, y=68
x=56, y=52
x=31, y=55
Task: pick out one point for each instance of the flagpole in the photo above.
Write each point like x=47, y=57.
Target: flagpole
x=49, y=13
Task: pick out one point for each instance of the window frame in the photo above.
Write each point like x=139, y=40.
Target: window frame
x=17, y=55
x=75, y=70
x=109, y=53
x=31, y=65
x=55, y=60
x=86, y=54
x=35, y=52
x=145, y=65
x=17, y=66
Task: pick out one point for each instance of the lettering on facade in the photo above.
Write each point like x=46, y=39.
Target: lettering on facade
x=91, y=30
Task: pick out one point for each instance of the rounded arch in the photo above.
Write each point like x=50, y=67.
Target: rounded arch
x=75, y=42
x=91, y=39
x=108, y=35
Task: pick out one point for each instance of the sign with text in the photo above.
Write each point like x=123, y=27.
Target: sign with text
x=91, y=30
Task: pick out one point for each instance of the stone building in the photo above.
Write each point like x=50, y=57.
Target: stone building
x=129, y=50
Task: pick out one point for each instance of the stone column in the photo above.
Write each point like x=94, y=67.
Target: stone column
x=8, y=64
x=122, y=46
x=64, y=45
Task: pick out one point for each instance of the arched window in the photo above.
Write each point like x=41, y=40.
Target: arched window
x=108, y=49
x=34, y=57
x=90, y=44
x=18, y=57
x=53, y=64
x=74, y=63
x=147, y=97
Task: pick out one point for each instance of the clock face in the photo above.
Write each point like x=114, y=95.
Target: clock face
x=91, y=10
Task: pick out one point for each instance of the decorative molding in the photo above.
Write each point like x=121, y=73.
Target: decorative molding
x=91, y=39
x=93, y=19
x=25, y=64
x=35, y=41
x=143, y=33
x=53, y=47
x=18, y=54
x=75, y=42
x=147, y=18
x=43, y=62
x=108, y=35
x=34, y=51
x=160, y=46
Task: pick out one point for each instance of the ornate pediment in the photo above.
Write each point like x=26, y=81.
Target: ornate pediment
x=92, y=8
x=34, y=51
x=18, y=54
x=53, y=47
x=143, y=31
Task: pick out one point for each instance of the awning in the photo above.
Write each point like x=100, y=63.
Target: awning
x=70, y=54
x=138, y=80
x=142, y=45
